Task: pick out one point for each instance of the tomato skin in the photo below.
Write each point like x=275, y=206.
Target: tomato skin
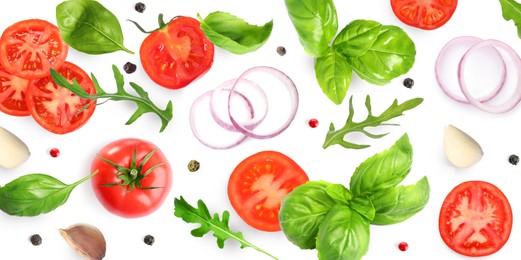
x=177, y=54
x=30, y=48
x=12, y=94
x=258, y=184
x=424, y=14
x=475, y=205
x=136, y=202
x=56, y=108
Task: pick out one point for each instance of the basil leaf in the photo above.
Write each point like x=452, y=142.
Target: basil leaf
x=357, y=37
x=316, y=24
x=363, y=206
x=339, y=193
x=344, y=234
x=303, y=210
x=512, y=11
x=89, y=27
x=392, y=54
x=399, y=203
x=35, y=194
x=334, y=75
x=383, y=170
x=233, y=34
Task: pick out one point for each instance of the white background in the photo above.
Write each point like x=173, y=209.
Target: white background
x=498, y=135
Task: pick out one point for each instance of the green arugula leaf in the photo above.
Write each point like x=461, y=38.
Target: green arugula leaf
x=143, y=102
x=334, y=136
x=220, y=228
x=512, y=11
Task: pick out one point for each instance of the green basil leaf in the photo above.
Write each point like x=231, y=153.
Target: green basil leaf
x=89, y=27
x=334, y=75
x=344, y=234
x=339, y=193
x=35, y=194
x=392, y=54
x=316, y=24
x=383, y=170
x=364, y=207
x=233, y=34
x=399, y=203
x=303, y=210
x=357, y=37
x=512, y=11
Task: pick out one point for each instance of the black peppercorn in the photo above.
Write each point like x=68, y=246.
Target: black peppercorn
x=129, y=67
x=140, y=7
x=408, y=82
x=513, y=159
x=193, y=165
x=36, y=240
x=149, y=240
x=281, y=50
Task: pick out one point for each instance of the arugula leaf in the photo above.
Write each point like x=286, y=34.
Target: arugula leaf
x=334, y=136
x=233, y=34
x=512, y=11
x=143, y=102
x=201, y=215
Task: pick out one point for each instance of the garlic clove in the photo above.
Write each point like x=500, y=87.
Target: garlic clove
x=86, y=240
x=461, y=149
x=13, y=151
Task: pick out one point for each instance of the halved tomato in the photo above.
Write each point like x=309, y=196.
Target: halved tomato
x=57, y=109
x=12, y=94
x=475, y=219
x=258, y=184
x=30, y=48
x=424, y=14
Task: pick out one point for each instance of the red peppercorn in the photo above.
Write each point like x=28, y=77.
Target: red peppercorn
x=54, y=152
x=403, y=246
x=313, y=123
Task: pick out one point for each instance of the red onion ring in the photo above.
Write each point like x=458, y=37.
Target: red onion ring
x=466, y=40
x=288, y=83
x=514, y=99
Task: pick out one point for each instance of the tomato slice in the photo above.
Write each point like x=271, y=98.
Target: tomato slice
x=12, y=94
x=30, y=48
x=475, y=219
x=258, y=184
x=57, y=109
x=177, y=54
x=424, y=14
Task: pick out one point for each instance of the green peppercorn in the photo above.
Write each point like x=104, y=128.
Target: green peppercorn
x=149, y=240
x=36, y=240
x=193, y=166
x=513, y=159
x=408, y=82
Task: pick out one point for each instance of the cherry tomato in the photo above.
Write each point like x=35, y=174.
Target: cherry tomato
x=12, y=94
x=140, y=186
x=258, y=184
x=475, y=219
x=58, y=109
x=177, y=53
x=30, y=48
x=424, y=14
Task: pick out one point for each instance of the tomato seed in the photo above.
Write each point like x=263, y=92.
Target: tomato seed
x=149, y=240
x=408, y=82
x=36, y=240
x=313, y=123
x=403, y=246
x=140, y=7
x=513, y=159
x=54, y=152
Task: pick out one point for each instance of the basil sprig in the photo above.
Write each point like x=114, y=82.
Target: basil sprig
x=336, y=220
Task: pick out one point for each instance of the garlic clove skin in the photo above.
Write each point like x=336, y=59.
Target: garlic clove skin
x=13, y=151
x=86, y=240
x=461, y=149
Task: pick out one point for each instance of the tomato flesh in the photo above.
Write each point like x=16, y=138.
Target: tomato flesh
x=177, y=54
x=475, y=219
x=12, y=94
x=30, y=48
x=258, y=184
x=424, y=14
x=57, y=109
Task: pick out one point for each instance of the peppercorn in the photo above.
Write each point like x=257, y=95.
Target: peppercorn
x=408, y=82
x=193, y=165
x=281, y=50
x=129, y=67
x=149, y=240
x=36, y=240
x=513, y=159
x=140, y=7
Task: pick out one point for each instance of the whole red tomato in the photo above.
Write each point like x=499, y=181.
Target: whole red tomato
x=134, y=177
